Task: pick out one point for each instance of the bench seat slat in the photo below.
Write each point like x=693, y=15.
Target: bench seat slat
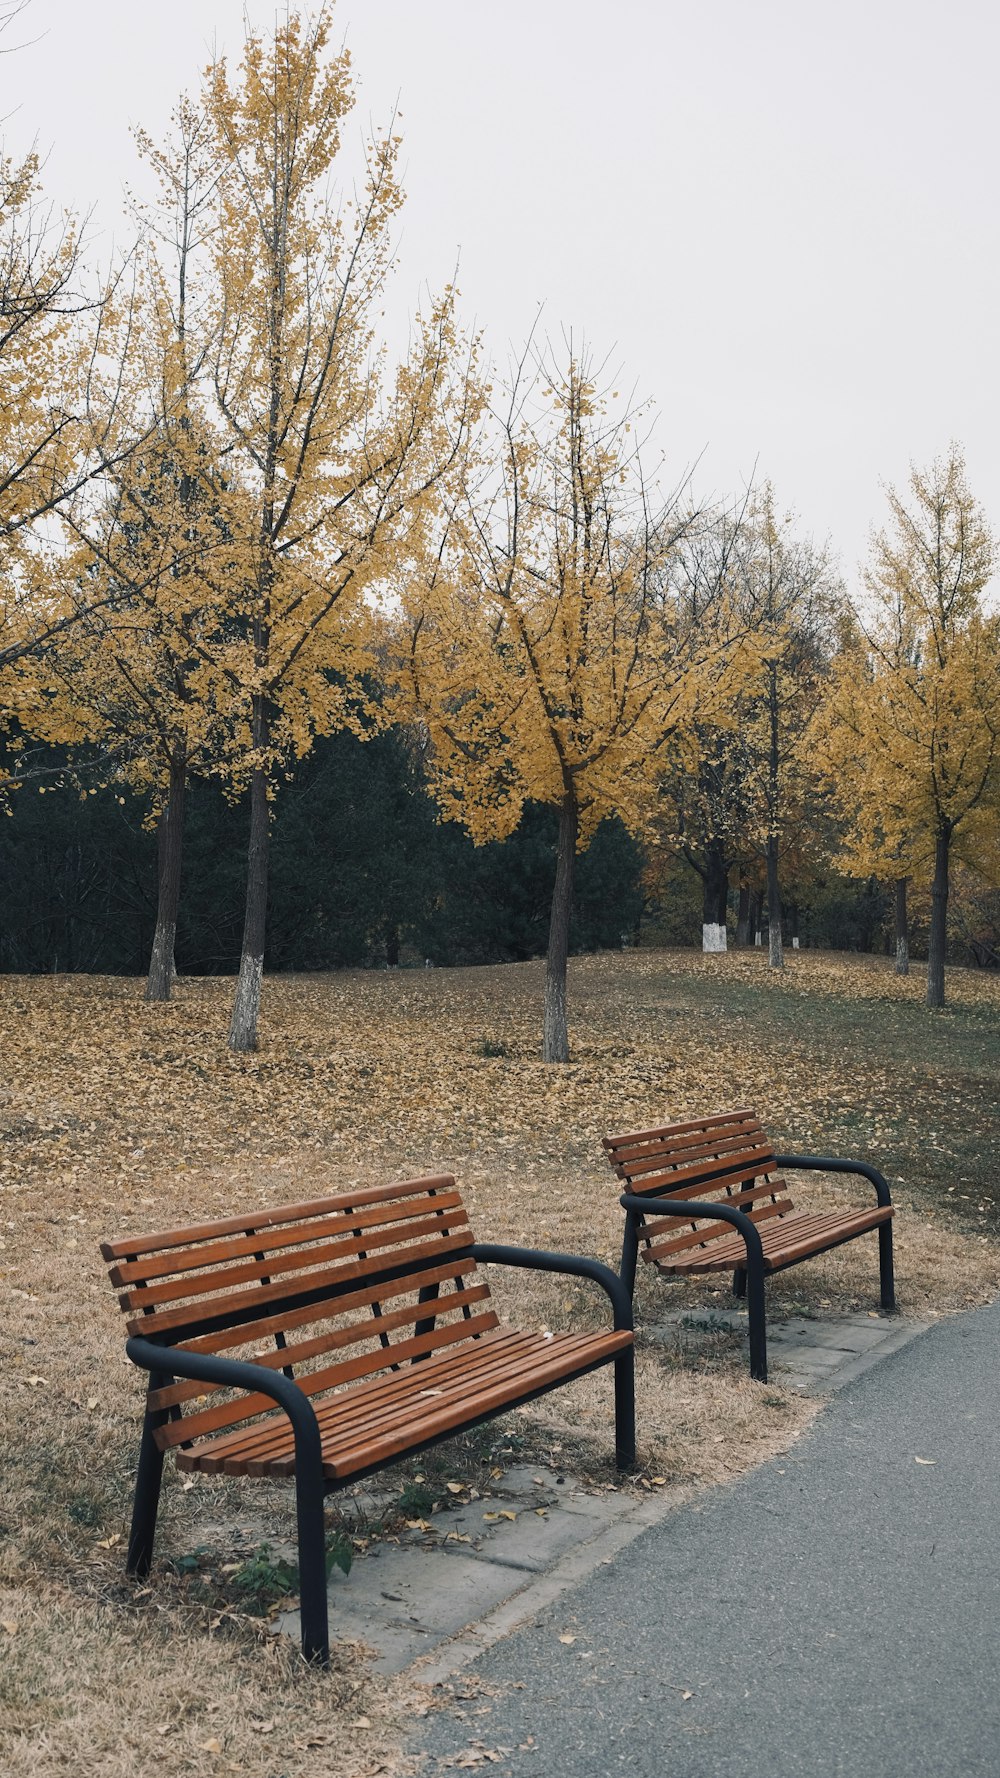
x=785, y=1240
x=677, y=1235
x=374, y=1422
x=335, y=1376
x=366, y=1404
x=280, y=1357
x=532, y=1376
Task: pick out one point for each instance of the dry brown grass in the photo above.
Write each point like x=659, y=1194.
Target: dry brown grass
x=117, y=1116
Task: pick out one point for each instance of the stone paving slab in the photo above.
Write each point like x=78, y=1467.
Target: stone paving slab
x=485, y=1566
x=408, y=1598
x=811, y=1354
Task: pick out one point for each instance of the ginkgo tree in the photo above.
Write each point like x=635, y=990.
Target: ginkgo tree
x=788, y=596
x=144, y=672
x=332, y=457
x=43, y=359
x=705, y=806
x=542, y=648
x=913, y=736
x=142, y=675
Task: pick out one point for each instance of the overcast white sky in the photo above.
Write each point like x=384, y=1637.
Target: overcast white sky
x=779, y=218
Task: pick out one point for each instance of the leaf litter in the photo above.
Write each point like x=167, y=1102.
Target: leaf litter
x=115, y=1115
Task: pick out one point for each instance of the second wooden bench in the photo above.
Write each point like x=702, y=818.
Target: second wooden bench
x=704, y=1196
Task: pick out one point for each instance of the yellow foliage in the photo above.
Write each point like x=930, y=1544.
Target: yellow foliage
x=541, y=647
x=910, y=742
x=41, y=373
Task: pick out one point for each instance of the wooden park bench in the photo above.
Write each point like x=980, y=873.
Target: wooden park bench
x=325, y=1340
x=702, y=1196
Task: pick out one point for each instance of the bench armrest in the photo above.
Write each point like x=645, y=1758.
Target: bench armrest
x=689, y=1211
x=233, y=1373
x=571, y=1264
x=824, y=1164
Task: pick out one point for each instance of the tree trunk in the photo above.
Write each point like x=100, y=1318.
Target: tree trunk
x=775, y=954
x=776, y=957
x=743, y=915
x=170, y=841
x=939, y=919
x=555, y=1036
x=902, y=929
x=715, y=885
x=753, y=923
x=246, y=1005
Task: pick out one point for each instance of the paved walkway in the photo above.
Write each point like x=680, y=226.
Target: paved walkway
x=465, y=1578
x=836, y=1612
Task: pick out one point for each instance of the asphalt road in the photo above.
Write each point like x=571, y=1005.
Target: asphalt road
x=833, y=1615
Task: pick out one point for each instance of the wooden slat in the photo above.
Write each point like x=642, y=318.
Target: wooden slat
x=368, y=1328
x=259, y=1242
x=710, y=1166
x=132, y=1245
x=417, y=1414
x=284, y=1321
x=736, y=1200
x=828, y=1232
x=718, y=1188
x=553, y=1365
x=783, y=1243
x=373, y=1403
x=166, y=1320
x=696, y=1123
x=367, y=1364
x=681, y=1235
x=302, y=1261
x=664, y=1154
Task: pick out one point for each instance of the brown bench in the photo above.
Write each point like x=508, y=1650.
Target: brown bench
x=324, y=1340
x=702, y=1196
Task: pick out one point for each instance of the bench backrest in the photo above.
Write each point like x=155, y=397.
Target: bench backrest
x=728, y=1156
x=332, y=1292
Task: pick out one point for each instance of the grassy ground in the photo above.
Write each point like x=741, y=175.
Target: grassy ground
x=115, y=1116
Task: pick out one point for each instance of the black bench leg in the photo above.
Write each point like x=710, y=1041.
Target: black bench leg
x=886, y=1278
x=740, y=1281
x=758, y=1326
x=625, y=1409
x=309, y=1492
x=147, y=1500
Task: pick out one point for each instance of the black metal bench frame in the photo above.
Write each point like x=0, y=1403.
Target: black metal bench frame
x=748, y=1280
x=165, y=1363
